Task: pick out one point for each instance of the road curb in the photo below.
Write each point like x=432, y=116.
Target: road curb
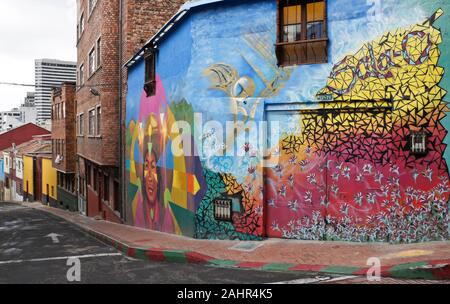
x=426, y=270
x=439, y=270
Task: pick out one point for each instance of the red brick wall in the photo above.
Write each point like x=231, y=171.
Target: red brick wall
x=103, y=22
x=141, y=20
x=64, y=128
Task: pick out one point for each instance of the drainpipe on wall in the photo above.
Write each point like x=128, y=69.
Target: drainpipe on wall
x=121, y=147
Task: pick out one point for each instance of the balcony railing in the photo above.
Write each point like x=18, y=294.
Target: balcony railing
x=302, y=52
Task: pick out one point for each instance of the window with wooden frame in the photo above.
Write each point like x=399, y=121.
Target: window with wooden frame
x=302, y=32
x=150, y=72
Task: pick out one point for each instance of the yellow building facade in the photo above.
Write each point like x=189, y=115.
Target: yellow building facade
x=28, y=178
x=49, y=182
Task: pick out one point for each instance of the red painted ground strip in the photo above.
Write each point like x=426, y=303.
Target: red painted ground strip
x=439, y=262
x=156, y=255
x=442, y=273
x=251, y=265
x=131, y=252
x=197, y=258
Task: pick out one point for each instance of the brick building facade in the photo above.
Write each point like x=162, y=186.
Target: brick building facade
x=64, y=144
x=108, y=33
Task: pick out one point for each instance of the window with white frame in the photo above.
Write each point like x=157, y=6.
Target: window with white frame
x=81, y=27
x=92, y=62
x=92, y=4
x=99, y=52
x=81, y=75
x=91, y=122
x=99, y=114
x=81, y=124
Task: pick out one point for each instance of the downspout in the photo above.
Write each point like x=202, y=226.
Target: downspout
x=121, y=146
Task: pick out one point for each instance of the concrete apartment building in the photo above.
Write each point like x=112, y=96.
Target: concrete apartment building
x=27, y=113
x=49, y=74
x=64, y=145
x=10, y=119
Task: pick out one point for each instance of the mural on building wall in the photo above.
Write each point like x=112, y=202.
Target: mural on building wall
x=165, y=190
x=359, y=180
x=245, y=98
x=344, y=170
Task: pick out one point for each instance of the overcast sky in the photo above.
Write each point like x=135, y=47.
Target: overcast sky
x=29, y=30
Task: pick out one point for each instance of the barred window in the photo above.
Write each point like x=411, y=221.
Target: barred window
x=302, y=31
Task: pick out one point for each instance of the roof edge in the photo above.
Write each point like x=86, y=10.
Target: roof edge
x=182, y=12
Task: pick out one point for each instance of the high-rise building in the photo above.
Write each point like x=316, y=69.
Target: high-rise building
x=29, y=100
x=49, y=74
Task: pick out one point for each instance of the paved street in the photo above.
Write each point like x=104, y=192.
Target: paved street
x=29, y=255
x=35, y=248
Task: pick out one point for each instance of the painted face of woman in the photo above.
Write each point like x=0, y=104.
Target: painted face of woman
x=151, y=178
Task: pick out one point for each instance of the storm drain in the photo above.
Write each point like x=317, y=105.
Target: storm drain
x=247, y=246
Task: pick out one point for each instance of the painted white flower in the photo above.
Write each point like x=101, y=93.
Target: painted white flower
x=368, y=168
x=293, y=205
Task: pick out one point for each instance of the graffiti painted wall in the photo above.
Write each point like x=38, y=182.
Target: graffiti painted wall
x=340, y=169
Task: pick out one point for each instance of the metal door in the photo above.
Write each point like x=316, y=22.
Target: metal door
x=296, y=178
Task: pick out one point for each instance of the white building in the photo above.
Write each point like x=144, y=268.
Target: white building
x=50, y=74
x=7, y=169
x=27, y=113
x=10, y=119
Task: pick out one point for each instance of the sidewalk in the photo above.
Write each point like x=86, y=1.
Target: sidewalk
x=415, y=261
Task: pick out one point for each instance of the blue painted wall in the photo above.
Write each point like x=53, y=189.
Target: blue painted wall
x=238, y=38
x=2, y=170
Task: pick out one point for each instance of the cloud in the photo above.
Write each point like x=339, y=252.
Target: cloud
x=29, y=30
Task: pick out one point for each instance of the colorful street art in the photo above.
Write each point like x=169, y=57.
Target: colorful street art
x=361, y=182
x=342, y=168
x=165, y=190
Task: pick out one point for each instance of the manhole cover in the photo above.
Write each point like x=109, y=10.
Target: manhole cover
x=247, y=246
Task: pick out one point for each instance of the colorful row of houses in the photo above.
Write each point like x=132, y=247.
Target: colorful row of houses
x=26, y=161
